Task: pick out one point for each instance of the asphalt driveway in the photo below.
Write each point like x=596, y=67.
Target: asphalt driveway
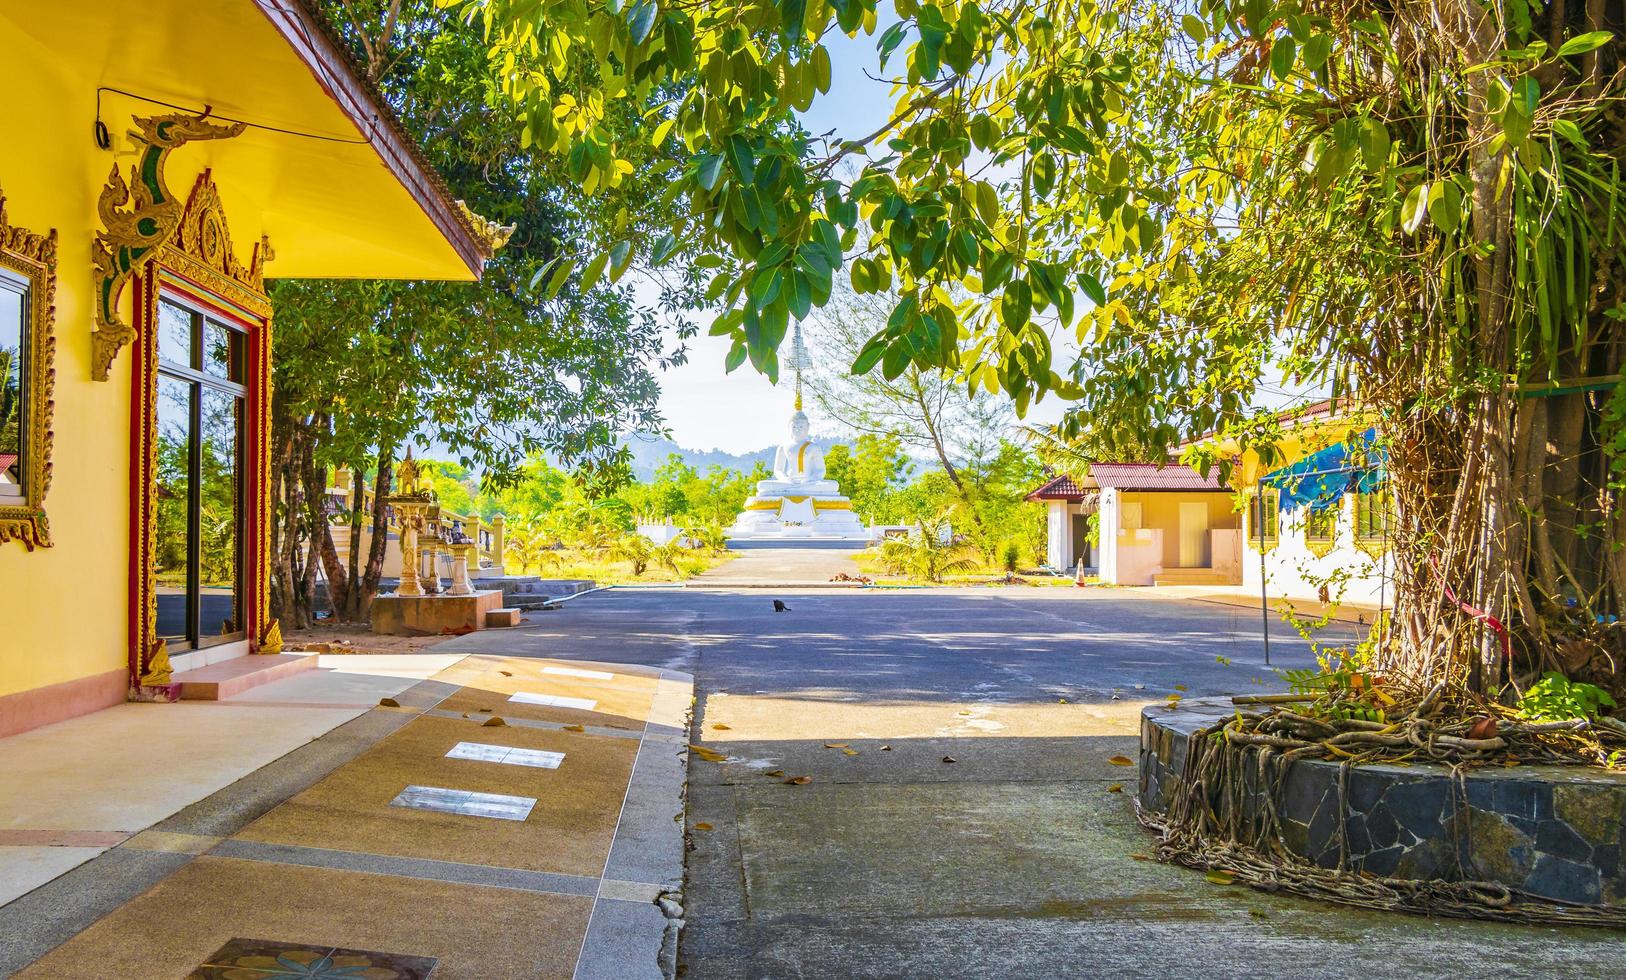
x=920, y=783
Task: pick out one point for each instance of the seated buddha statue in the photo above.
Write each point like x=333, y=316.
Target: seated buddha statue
x=798, y=466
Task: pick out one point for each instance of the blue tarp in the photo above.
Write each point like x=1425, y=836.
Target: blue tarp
x=1320, y=480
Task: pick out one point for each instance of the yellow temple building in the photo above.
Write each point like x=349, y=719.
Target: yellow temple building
x=161, y=162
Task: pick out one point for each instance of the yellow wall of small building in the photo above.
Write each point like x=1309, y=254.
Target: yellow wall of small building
x=65, y=609
x=1162, y=510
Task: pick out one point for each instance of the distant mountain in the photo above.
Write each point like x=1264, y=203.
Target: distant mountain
x=649, y=452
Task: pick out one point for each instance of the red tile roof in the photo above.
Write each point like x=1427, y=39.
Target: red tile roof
x=1059, y=488
x=1149, y=476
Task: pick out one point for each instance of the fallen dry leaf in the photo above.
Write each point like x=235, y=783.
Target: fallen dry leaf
x=1061, y=700
x=710, y=755
x=1483, y=728
x=1115, y=788
x=1219, y=876
x=1509, y=764
x=1120, y=760
x=886, y=748
x=506, y=673
x=721, y=727
x=388, y=703
x=835, y=745
x=702, y=826
x=486, y=711
x=776, y=773
x=573, y=728
x=799, y=780
x=1141, y=857
x=495, y=721
x=849, y=751
x=948, y=758
x=465, y=714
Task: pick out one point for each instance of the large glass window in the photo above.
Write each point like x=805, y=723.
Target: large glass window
x=1270, y=514
x=13, y=384
x=1321, y=526
x=198, y=557
x=1372, y=515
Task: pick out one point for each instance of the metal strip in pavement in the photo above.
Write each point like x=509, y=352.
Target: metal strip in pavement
x=553, y=700
x=465, y=803
x=599, y=675
x=506, y=755
x=404, y=867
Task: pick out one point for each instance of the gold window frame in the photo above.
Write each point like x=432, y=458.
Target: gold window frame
x=32, y=256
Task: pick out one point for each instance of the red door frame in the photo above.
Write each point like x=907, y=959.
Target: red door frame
x=175, y=273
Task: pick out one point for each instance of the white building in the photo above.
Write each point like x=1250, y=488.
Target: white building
x=1142, y=524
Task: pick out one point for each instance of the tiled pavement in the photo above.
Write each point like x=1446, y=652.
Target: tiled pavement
x=427, y=832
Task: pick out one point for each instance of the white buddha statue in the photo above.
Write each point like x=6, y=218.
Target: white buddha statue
x=798, y=466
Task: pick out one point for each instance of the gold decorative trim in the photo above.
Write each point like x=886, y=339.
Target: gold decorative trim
x=492, y=236
x=831, y=505
x=202, y=252
x=1375, y=547
x=271, y=642
x=33, y=256
x=1320, y=547
x=156, y=670
x=200, y=261
x=137, y=218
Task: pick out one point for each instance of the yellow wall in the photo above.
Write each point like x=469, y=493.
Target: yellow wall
x=65, y=608
x=1162, y=510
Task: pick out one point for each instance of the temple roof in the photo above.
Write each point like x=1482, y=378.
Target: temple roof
x=1153, y=477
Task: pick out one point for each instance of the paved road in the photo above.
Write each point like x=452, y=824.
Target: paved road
x=1016, y=859
x=752, y=565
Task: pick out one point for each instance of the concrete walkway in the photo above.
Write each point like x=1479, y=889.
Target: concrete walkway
x=417, y=835
x=956, y=810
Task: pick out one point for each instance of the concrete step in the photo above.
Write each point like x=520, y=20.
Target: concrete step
x=228, y=677
x=1190, y=576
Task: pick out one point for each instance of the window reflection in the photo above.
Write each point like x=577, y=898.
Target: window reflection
x=218, y=499
x=197, y=564
x=174, y=333
x=171, y=559
x=13, y=411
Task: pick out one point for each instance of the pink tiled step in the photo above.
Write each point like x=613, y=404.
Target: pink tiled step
x=234, y=676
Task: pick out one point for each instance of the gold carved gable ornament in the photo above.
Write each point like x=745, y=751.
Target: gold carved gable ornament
x=202, y=250
x=33, y=257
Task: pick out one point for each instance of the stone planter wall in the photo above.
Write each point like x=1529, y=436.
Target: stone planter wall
x=1552, y=832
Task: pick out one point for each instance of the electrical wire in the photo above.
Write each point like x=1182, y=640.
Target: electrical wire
x=209, y=111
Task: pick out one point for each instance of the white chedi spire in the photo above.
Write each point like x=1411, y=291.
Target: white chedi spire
x=800, y=360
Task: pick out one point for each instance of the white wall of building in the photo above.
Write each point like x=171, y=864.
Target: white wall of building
x=1291, y=570
x=1130, y=554
x=1058, y=534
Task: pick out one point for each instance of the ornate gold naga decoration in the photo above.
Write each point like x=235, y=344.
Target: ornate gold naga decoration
x=137, y=218
x=492, y=235
x=33, y=256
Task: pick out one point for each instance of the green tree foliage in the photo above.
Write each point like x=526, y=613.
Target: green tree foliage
x=11, y=400
x=680, y=493
x=1419, y=205
x=929, y=553
x=530, y=360
x=871, y=471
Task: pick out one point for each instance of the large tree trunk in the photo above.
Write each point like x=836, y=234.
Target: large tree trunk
x=381, y=532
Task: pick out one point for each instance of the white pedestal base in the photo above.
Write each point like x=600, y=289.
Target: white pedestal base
x=827, y=516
